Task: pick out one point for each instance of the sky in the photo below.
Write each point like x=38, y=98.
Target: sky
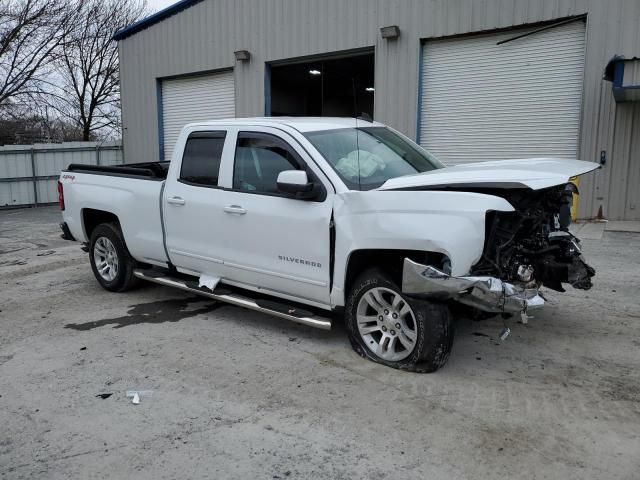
x=156, y=5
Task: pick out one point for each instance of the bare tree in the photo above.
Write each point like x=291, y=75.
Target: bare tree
x=31, y=128
x=31, y=33
x=88, y=68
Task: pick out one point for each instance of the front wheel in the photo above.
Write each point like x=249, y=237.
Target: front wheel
x=392, y=329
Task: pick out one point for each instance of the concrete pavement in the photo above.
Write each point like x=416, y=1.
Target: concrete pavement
x=237, y=394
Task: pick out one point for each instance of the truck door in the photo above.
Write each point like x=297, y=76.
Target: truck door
x=193, y=203
x=276, y=242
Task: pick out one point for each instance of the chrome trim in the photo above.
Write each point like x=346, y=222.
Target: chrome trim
x=275, y=293
x=318, y=283
x=235, y=299
x=488, y=294
x=193, y=255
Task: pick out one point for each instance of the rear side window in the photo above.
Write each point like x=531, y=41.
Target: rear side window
x=201, y=158
x=259, y=159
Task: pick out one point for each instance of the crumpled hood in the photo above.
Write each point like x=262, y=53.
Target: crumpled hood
x=534, y=173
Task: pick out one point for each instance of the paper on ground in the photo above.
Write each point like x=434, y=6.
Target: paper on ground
x=140, y=393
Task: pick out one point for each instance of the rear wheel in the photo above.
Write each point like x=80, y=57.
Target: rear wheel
x=398, y=331
x=110, y=260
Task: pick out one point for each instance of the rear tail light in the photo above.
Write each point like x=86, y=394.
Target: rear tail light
x=60, y=195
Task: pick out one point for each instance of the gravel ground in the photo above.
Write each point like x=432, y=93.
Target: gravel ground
x=237, y=394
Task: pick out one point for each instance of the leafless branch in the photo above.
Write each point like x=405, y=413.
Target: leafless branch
x=32, y=33
x=88, y=67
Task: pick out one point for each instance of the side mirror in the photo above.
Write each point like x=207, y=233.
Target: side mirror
x=296, y=183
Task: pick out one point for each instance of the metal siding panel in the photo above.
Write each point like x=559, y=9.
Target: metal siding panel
x=482, y=101
x=47, y=191
x=632, y=197
x=14, y=164
x=619, y=160
x=16, y=193
x=111, y=157
x=49, y=160
x=218, y=27
x=612, y=29
x=194, y=99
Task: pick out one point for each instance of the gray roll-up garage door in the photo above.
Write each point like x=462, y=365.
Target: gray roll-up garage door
x=482, y=101
x=194, y=99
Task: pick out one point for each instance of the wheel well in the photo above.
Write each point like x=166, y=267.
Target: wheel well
x=92, y=218
x=390, y=261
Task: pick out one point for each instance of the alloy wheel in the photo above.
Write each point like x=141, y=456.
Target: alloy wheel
x=105, y=258
x=386, y=324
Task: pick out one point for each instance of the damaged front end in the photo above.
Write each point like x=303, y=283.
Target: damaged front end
x=524, y=250
x=488, y=294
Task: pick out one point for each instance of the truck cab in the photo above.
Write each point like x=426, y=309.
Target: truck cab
x=226, y=216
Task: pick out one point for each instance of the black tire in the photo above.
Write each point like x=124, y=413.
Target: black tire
x=433, y=326
x=124, y=279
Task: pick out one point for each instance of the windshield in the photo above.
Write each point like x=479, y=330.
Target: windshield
x=373, y=156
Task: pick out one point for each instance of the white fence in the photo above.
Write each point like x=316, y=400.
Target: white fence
x=29, y=173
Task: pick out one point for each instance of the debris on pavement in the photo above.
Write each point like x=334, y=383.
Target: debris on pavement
x=104, y=396
x=505, y=333
x=524, y=318
x=136, y=395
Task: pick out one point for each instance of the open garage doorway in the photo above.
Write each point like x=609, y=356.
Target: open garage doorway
x=336, y=86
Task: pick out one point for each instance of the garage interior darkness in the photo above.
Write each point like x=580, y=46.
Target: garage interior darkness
x=329, y=87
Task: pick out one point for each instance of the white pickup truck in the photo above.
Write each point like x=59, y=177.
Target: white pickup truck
x=308, y=217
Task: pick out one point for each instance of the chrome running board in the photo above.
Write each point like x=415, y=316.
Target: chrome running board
x=274, y=308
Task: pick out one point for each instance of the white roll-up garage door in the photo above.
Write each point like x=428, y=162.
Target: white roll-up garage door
x=194, y=99
x=482, y=101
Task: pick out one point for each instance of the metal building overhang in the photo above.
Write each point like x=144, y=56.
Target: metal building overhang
x=153, y=19
x=624, y=73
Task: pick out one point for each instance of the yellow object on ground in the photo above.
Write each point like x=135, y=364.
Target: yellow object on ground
x=574, y=204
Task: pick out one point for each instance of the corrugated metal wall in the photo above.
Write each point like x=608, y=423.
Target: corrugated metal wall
x=204, y=37
x=29, y=173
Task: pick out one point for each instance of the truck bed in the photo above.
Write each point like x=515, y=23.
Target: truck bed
x=131, y=193
x=147, y=170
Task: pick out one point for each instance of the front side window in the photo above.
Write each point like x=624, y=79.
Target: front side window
x=259, y=159
x=365, y=158
x=201, y=158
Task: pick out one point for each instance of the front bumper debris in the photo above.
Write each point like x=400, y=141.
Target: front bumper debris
x=488, y=294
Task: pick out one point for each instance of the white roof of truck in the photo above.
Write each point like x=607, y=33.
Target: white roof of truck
x=302, y=124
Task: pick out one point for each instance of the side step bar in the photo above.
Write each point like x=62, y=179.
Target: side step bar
x=269, y=307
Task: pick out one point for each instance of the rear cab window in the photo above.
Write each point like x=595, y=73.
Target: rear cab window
x=201, y=158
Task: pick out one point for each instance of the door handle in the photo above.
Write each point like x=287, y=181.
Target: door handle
x=235, y=209
x=176, y=200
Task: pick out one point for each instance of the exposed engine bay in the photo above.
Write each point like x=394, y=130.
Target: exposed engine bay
x=533, y=245
x=523, y=250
